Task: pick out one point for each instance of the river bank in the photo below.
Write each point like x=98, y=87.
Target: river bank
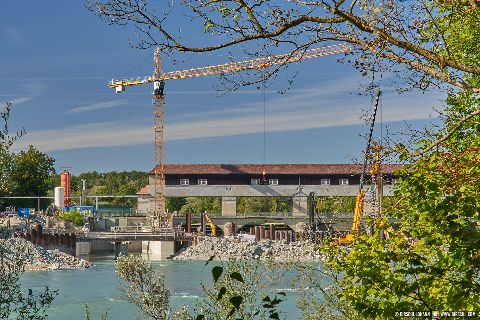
x=37, y=258
x=239, y=248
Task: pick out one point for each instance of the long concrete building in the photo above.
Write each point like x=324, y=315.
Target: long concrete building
x=230, y=181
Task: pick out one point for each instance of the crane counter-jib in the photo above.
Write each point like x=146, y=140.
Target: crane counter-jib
x=120, y=85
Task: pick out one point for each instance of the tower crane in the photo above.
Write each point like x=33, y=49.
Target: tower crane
x=160, y=218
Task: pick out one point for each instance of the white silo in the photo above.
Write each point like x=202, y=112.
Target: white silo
x=59, y=197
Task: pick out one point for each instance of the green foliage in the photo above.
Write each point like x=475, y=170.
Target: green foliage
x=236, y=294
x=143, y=287
x=249, y=205
x=15, y=302
x=88, y=315
x=432, y=261
x=31, y=174
x=6, y=156
x=335, y=204
x=174, y=204
x=72, y=216
x=110, y=183
x=202, y=204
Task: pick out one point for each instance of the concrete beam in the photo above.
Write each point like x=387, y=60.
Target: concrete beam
x=262, y=190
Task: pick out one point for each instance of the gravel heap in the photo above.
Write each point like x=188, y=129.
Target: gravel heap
x=37, y=258
x=237, y=248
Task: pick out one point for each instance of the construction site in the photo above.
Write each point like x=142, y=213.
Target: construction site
x=151, y=229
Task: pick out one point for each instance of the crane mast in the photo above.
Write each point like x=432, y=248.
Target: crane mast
x=160, y=218
x=159, y=214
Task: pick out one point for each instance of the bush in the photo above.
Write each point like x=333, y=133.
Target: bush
x=73, y=216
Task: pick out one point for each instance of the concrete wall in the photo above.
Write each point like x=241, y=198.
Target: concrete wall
x=83, y=248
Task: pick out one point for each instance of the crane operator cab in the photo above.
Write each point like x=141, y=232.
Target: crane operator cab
x=158, y=87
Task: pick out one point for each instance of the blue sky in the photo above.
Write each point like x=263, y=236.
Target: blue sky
x=56, y=58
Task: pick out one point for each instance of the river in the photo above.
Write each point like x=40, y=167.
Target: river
x=98, y=287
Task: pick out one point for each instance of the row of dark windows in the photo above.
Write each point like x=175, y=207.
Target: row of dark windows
x=285, y=179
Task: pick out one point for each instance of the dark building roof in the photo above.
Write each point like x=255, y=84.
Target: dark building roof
x=272, y=168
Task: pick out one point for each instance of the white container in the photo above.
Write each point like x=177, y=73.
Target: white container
x=59, y=195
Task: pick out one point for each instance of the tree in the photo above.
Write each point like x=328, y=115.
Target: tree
x=235, y=293
x=248, y=205
x=202, y=204
x=142, y=287
x=431, y=261
x=174, y=204
x=31, y=173
x=6, y=157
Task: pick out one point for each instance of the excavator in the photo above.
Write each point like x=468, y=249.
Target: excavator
x=212, y=225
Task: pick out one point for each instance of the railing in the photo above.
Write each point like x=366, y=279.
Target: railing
x=173, y=234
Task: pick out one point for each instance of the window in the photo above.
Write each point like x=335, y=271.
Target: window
x=343, y=181
x=324, y=182
x=273, y=182
x=202, y=182
x=394, y=181
x=184, y=182
x=255, y=181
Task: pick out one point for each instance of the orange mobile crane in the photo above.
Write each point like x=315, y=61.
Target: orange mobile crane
x=160, y=219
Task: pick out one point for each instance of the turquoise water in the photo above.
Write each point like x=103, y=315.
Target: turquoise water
x=98, y=287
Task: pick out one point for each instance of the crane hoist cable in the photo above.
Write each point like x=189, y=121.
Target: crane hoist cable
x=370, y=134
x=360, y=199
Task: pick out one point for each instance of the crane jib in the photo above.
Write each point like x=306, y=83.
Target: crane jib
x=233, y=66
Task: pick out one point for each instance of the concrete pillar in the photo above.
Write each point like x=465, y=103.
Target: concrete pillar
x=159, y=250
x=120, y=248
x=83, y=248
x=229, y=229
x=272, y=232
x=229, y=206
x=300, y=206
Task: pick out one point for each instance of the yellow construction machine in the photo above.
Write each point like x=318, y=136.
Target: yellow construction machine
x=375, y=172
x=212, y=225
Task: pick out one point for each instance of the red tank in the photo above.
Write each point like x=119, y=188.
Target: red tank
x=65, y=183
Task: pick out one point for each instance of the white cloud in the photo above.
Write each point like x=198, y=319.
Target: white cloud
x=325, y=105
x=33, y=90
x=21, y=100
x=97, y=106
x=286, y=119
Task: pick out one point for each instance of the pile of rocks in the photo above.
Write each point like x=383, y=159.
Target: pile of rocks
x=37, y=258
x=238, y=248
